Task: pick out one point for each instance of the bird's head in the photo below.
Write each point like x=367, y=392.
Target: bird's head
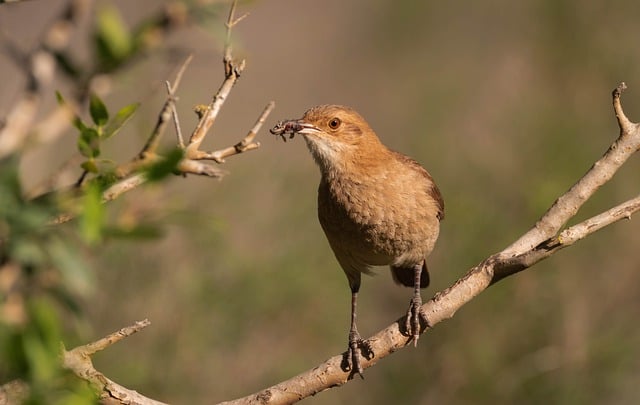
x=335, y=134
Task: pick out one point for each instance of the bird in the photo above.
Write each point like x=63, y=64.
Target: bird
x=376, y=206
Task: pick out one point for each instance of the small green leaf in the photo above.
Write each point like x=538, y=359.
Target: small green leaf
x=114, y=41
x=60, y=99
x=120, y=120
x=90, y=166
x=41, y=340
x=77, y=277
x=77, y=122
x=166, y=166
x=92, y=218
x=98, y=110
x=89, y=143
x=106, y=179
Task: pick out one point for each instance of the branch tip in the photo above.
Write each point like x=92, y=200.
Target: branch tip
x=626, y=126
x=618, y=90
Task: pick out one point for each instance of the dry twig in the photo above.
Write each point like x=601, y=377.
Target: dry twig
x=78, y=360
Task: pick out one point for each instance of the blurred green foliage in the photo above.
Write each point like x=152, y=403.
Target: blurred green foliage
x=43, y=276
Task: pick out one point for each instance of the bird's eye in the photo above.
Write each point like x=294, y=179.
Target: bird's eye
x=334, y=123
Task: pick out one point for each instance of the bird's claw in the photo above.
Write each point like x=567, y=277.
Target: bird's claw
x=415, y=313
x=352, y=361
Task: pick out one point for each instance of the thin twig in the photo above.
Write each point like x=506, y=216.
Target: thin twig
x=171, y=90
x=115, y=337
x=174, y=114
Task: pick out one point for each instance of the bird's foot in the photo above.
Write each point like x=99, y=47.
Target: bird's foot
x=415, y=313
x=352, y=361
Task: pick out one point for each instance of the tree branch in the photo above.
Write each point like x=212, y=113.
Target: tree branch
x=567, y=205
x=78, y=361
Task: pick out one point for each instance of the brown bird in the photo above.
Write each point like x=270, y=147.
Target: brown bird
x=376, y=206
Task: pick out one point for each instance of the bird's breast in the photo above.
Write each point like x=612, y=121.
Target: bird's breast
x=378, y=218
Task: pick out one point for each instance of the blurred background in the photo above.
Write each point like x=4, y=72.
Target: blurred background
x=505, y=103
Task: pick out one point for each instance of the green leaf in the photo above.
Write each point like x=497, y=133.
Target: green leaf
x=98, y=110
x=89, y=143
x=60, y=99
x=77, y=277
x=77, y=122
x=120, y=120
x=106, y=179
x=28, y=252
x=90, y=166
x=92, y=218
x=41, y=340
x=166, y=166
x=114, y=41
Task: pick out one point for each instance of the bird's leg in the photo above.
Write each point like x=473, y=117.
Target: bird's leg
x=356, y=342
x=415, y=312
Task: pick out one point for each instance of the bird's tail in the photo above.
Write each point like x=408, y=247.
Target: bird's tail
x=406, y=275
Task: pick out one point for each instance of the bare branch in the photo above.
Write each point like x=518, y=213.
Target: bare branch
x=171, y=91
x=78, y=361
x=566, y=238
x=566, y=206
x=194, y=167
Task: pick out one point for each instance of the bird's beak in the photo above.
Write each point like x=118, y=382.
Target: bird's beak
x=305, y=128
x=293, y=127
